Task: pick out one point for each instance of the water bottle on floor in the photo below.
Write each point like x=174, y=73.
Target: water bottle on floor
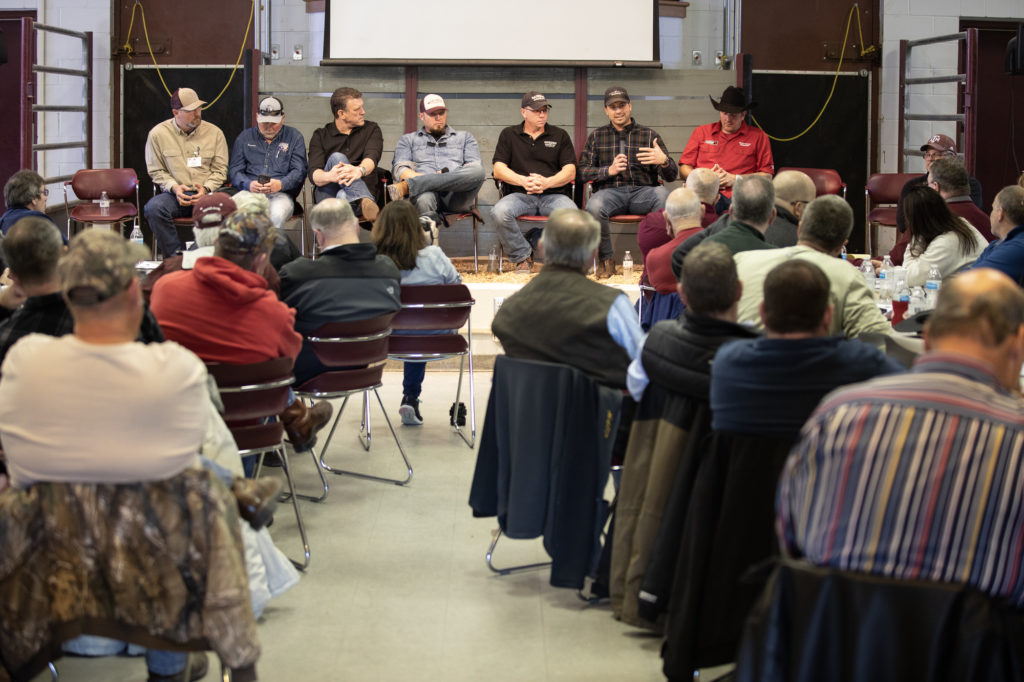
x=627, y=268
x=136, y=235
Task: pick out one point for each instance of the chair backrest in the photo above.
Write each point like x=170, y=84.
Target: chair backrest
x=253, y=391
x=826, y=180
x=352, y=344
x=884, y=188
x=118, y=183
x=434, y=307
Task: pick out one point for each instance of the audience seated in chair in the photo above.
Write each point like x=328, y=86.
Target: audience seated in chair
x=825, y=226
x=399, y=235
x=348, y=280
x=24, y=195
x=284, y=250
x=222, y=311
x=671, y=421
x=1006, y=254
x=562, y=316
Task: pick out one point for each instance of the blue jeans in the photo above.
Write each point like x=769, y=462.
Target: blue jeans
x=357, y=190
x=437, y=193
x=412, y=379
x=615, y=200
x=513, y=205
x=160, y=212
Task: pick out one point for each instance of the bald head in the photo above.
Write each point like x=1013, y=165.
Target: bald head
x=1007, y=210
x=704, y=182
x=569, y=238
x=793, y=191
x=683, y=209
x=980, y=313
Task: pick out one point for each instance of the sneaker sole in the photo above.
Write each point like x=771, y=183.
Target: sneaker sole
x=408, y=415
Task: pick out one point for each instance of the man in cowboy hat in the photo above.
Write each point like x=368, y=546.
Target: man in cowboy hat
x=730, y=147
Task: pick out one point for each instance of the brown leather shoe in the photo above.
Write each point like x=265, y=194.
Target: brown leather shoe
x=369, y=209
x=524, y=267
x=398, y=190
x=256, y=498
x=605, y=268
x=301, y=423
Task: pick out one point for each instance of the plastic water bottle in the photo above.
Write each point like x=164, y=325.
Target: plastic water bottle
x=136, y=235
x=886, y=271
x=917, y=302
x=868, y=271
x=104, y=203
x=931, y=287
x=492, y=265
x=627, y=268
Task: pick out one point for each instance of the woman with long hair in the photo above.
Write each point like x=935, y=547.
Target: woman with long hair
x=399, y=235
x=937, y=237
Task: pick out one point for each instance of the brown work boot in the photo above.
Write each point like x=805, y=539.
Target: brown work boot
x=301, y=423
x=398, y=190
x=368, y=210
x=524, y=267
x=605, y=268
x=256, y=498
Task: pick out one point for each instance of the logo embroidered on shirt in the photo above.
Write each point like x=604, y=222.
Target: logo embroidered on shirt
x=714, y=142
x=550, y=144
x=745, y=144
x=283, y=146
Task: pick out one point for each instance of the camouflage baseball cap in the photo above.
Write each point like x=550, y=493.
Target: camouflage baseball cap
x=98, y=265
x=250, y=202
x=246, y=233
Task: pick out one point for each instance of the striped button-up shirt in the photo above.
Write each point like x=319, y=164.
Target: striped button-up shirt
x=916, y=476
x=605, y=143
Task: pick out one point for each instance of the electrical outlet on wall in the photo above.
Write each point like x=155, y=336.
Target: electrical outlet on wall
x=718, y=57
x=275, y=51
x=297, y=53
x=697, y=58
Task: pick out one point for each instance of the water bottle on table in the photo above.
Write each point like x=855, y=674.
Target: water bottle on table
x=931, y=287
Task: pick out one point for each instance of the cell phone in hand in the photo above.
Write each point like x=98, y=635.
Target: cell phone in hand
x=263, y=179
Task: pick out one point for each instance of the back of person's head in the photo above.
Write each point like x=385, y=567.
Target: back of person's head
x=926, y=215
x=826, y=223
x=98, y=266
x=1011, y=200
x=208, y=214
x=682, y=204
x=243, y=237
x=708, y=279
x=705, y=183
x=796, y=296
x=22, y=188
x=32, y=248
x=753, y=199
x=983, y=305
x=251, y=202
x=399, y=234
x=950, y=175
x=569, y=238
x=331, y=217
x=792, y=186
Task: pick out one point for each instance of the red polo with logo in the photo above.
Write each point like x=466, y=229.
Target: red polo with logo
x=745, y=151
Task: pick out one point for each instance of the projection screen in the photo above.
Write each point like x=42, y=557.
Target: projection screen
x=561, y=32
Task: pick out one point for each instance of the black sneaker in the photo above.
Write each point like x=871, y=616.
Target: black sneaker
x=409, y=411
x=457, y=419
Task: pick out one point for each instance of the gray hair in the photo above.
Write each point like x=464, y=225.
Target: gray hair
x=570, y=237
x=950, y=174
x=708, y=278
x=753, y=198
x=22, y=188
x=1011, y=200
x=827, y=222
x=705, y=183
x=682, y=203
x=331, y=216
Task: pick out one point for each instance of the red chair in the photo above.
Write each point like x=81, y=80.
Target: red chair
x=253, y=396
x=622, y=218
x=826, y=180
x=120, y=184
x=429, y=309
x=880, y=197
x=356, y=353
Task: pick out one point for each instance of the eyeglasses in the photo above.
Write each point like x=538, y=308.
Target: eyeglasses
x=44, y=192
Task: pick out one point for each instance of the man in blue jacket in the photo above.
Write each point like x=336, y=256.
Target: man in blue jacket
x=1006, y=254
x=270, y=159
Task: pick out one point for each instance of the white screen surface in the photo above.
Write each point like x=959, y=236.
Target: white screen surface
x=478, y=30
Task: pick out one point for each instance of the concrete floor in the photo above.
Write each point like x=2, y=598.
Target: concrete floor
x=397, y=588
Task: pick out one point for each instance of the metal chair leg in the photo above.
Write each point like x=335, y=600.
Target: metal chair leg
x=472, y=405
x=364, y=426
x=53, y=671
x=303, y=565
x=370, y=477
x=510, y=569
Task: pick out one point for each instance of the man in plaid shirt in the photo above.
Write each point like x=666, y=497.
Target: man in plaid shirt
x=624, y=161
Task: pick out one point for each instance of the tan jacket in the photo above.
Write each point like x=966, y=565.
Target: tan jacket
x=168, y=150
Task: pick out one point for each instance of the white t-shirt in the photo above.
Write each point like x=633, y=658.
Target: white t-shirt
x=79, y=412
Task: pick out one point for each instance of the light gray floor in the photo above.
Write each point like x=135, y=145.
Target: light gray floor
x=397, y=588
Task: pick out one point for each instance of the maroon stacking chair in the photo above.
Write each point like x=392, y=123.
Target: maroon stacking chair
x=121, y=186
x=355, y=353
x=624, y=218
x=826, y=180
x=253, y=396
x=427, y=311
x=880, y=197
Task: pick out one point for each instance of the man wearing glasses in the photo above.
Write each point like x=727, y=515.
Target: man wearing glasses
x=24, y=195
x=436, y=167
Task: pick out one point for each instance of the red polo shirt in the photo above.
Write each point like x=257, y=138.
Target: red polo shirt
x=745, y=151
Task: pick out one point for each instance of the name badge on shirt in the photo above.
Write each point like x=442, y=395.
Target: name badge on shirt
x=195, y=161
x=714, y=142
